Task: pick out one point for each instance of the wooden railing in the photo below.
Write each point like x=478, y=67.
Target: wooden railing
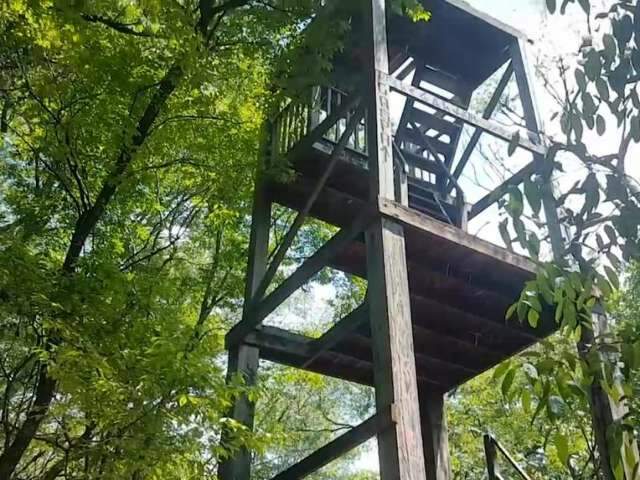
x=297, y=119
x=491, y=449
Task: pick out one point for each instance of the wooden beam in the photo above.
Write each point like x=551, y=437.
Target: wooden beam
x=415, y=219
x=488, y=112
x=303, y=274
x=435, y=434
x=340, y=446
x=339, y=331
x=395, y=378
x=290, y=236
x=502, y=189
x=244, y=359
x=467, y=117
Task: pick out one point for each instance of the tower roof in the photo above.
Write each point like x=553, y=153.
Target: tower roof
x=459, y=40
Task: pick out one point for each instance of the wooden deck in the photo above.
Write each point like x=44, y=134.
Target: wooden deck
x=460, y=286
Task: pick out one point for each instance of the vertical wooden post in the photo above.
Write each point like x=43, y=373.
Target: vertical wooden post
x=244, y=359
x=492, y=456
x=435, y=435
x=399, y=447
x=533, y=124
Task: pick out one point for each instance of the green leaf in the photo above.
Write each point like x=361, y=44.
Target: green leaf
x=551, y=6
x=601, y=125
x=507, y=382
x=533, y=318
x=561, y=442
x=513, y=144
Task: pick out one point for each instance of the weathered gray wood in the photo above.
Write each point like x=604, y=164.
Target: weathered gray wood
x=339, y=331
x=259, y=311
x=491, y=456
x=400, y=447
x=321, y=129
x=244, y=359
x=340, y=446
x=502, y=189
x=534, y=124
x=290, y=236
x=488, y=112
x=457, y=112
x=435, y=435
x=295, y=350
x=413, y=218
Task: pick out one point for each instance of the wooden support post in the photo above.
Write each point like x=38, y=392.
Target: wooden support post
x=491, y=455
x=399, y=447
x=534, y=124
x=244, y=359
x=435, y=435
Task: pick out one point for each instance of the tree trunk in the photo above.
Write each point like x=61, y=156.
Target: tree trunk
x=46, y=387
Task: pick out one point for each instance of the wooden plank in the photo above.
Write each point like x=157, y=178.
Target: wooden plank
x=502, y=189
x=339, y=331
x=400, y=447
x=308, y=269
x=340, y=446
x=244, y=359
x=435, y=434
x=488, y=112
x=468, y=117
x=435, y=228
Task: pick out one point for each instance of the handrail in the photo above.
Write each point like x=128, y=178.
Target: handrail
x=491, y=448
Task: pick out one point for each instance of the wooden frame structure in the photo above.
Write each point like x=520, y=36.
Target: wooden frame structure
x=437, y=296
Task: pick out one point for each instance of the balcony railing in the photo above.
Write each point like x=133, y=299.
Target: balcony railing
x=297, y=119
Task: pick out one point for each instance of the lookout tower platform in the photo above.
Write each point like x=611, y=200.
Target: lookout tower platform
x=434, y=314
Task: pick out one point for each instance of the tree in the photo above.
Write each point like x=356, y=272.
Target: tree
x=600, y=214
x=128, y=141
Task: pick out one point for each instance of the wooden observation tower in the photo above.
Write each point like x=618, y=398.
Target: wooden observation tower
x=434, y=315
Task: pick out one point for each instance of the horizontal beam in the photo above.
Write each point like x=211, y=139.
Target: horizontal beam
x=492, y=197
x=319, y=260
x=340, y=446
x=426, y=224
x=477, y=121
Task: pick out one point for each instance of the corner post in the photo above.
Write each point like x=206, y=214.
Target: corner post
x=435, y=434
x=244, y=359
x=534, y=124
x=399, y=447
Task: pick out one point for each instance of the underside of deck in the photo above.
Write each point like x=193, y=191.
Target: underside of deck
x=460, y=286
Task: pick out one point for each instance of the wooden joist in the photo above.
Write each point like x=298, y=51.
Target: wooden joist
x=477, y=121
x=340, y=446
